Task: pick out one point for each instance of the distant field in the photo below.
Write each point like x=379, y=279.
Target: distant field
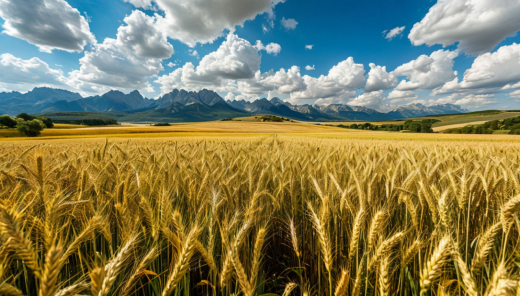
x=446, y=121
x=245, y=128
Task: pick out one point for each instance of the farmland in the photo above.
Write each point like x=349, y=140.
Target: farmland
x=323, y=212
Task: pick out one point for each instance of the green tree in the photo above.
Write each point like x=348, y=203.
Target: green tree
x=25, y=116
x=31, y=128
x=7, y=121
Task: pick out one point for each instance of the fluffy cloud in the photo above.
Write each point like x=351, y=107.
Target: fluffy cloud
x=489, y=71
x=111, y=65
x=310, y=68
x=235, y=59
x=478, y=25
x=289, y=24
x=373, y=99
x=48, y=24
x=379, y=79
x=341, y=82
x=280, y=82
x=126, y=62
x=271, y=48
x=141, y=36
x=309, y=46
x=23, y=75
x=394, y=33
x=397, y=96
x=427, y=72
x=470, y=101
x=202, y=21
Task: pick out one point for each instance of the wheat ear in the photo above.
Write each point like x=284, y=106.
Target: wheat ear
x=183, y=262
x=356, y=233
x=384, y=277
x=51, y=270
x=433, y=269
x=508, y=210
x=115, y=266
x=484, y=246
x=376, y=226
x=342, y=285
x=10, y=227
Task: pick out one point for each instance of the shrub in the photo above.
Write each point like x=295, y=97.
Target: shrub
x=31, y=128
x=7, y=121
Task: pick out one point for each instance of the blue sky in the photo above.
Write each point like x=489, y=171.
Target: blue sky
x=460, y=52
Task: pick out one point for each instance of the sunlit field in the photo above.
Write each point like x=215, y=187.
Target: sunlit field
x=259, y=215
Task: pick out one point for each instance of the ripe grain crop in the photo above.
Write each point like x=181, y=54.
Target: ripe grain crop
x=256, y=216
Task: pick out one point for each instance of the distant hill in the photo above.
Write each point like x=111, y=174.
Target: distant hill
x=204, y=105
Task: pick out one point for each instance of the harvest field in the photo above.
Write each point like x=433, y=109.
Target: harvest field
x=259, y=215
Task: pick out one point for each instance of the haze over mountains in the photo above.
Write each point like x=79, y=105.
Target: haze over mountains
x=181, y=105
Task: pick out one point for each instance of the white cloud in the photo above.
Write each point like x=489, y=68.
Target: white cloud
x=140, y=34
x=235, y=59
x=171, y=64
x=289, y=24
x=342, y=82
x=126, y=62
x=309, y=46
x=394, y=33
x=203, y=21
x=471, y=101
x=281, y=82
x=515, y=94
x=23, y=75
x=400, y=96
x=193, y=53
x=48, y=24
x=271, y=48
x=373, y=99
x=489, y=71
x=310, y=68
x=379, y=79
x=427, y=72
x=478, y=25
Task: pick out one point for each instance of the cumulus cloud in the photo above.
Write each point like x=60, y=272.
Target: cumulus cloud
x=478, y=25
x=280, y=82
x=379, y=79
x=271, y=48
x=309, y=46
x=289, y=24
x=489, y=71
x=471, y=101
x=373, y=99
x=235, y=59
x=203, y=21
x=141, y=36
x=398, y=96
x=126, y=62
x=310, y=68
x=427, y=72
x=394, y=33
x=23, y=75
x=48, y=24
x=172, y=64
x=341, y=82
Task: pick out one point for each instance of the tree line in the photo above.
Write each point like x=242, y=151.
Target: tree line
x=28, y=125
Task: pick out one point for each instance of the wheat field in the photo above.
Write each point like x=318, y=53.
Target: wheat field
x=263, y=215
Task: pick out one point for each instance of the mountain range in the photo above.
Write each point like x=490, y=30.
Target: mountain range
x=185, y=106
